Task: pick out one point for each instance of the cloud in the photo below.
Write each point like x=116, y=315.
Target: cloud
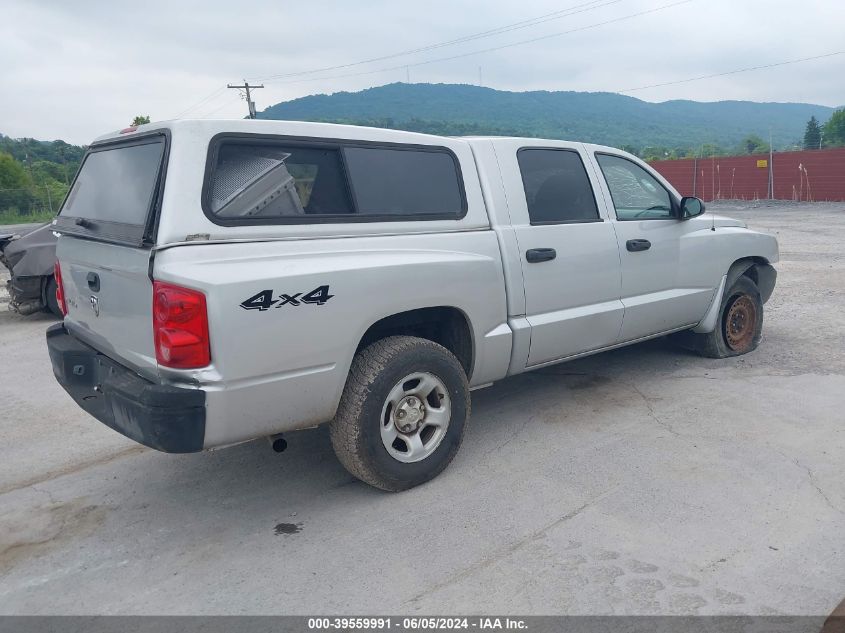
x=76, y=70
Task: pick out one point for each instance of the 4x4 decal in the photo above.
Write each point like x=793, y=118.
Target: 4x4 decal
x=264, y=300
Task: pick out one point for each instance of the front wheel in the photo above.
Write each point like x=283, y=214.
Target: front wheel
x=740, y=325
x=402, y=414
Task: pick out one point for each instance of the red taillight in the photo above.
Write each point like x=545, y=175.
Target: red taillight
x=180, y=326
x=60, y=289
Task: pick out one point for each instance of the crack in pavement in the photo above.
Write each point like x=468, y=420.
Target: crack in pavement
x=44, y=492
x=651, y=412
x=812, y=478
x=74, y=468
x=510, y=549
x=513, y=436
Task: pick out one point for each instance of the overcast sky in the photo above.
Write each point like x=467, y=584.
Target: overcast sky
x=74, y=70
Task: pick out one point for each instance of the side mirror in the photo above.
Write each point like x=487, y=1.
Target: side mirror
x=691, y=208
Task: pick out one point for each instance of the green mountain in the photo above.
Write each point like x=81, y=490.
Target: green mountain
x=598, y=117
x=53, y=151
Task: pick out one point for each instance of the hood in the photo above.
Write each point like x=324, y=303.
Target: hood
x=31, y=255
x=723, y=220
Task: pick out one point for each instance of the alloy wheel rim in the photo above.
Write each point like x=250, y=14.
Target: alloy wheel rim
x=415, y=417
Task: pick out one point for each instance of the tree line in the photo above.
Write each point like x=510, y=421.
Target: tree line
x=35, y=176
x=816, y=136
x=831, y=134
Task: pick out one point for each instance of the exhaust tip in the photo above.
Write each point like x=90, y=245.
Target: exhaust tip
x=278, y=443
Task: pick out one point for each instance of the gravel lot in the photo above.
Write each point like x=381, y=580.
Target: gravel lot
x=640, y=481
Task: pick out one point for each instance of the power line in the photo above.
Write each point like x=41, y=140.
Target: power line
x=507, y=28
x=216, y=110
x=202, y=101
x=594, y=4
x=555, y=15
x=734, y=72
x=494, y=48
x=667, y=83
x=229, y=100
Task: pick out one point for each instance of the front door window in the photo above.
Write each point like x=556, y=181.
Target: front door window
x=637, y=195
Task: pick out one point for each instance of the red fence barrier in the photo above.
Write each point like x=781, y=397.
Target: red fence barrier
x=809, y=175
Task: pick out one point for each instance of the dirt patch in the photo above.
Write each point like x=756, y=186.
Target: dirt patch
x=30, y=532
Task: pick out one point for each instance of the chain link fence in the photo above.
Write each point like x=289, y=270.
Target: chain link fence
x=31, y=204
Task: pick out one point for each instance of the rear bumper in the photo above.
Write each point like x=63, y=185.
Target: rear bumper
x=169, y=419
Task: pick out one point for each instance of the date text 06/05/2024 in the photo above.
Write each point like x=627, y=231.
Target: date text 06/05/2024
x=416, y=623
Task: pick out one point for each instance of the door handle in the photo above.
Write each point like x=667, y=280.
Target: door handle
x=535, y=255
x=635, y=246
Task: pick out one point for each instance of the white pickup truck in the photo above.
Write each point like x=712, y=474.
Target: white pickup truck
x=228, y=280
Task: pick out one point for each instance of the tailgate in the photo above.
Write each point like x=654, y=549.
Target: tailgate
x=109, y=299
x=106, y=226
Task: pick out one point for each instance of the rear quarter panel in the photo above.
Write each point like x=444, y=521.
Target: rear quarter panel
x=285, y=367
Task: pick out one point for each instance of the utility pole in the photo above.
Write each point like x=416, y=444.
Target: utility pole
x=49, y=198
x=64, y=163
x=249, y=102
x=771, y=167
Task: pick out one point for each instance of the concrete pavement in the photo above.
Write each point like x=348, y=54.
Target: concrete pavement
x=641, y=481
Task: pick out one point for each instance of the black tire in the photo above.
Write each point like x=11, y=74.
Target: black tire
x=355, y=431
x=50, y=296
x=739, y=328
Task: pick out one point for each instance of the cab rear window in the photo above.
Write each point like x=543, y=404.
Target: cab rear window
x=268, y=181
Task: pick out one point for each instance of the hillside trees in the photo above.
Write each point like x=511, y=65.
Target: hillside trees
x=34, y=177
x=15, y=184
x=813, y=135
x=753, y=144
x=834, y=130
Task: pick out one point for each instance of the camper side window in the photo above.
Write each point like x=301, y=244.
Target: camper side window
x=266, y=181
x=260, y=181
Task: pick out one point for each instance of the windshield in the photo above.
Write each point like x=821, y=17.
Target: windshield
x=116, y=185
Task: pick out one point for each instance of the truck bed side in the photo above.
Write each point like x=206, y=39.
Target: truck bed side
x=287, y=363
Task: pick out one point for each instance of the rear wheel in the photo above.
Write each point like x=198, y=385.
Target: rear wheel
x=402, y=414
x=52, y=302
x=740, y=324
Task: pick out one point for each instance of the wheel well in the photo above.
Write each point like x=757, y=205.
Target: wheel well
x=758, y=270
x=746, y=266
x=444, y=325
x=751, y=271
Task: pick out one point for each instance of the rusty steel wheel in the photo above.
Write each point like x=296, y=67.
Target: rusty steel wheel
x=740, y=326
x=740, y=323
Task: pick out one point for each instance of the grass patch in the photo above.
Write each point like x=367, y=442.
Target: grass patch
x=9, y=217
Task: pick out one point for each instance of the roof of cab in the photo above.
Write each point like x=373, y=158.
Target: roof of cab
x=210, y=127
x=301, y=128
x=265, y=126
